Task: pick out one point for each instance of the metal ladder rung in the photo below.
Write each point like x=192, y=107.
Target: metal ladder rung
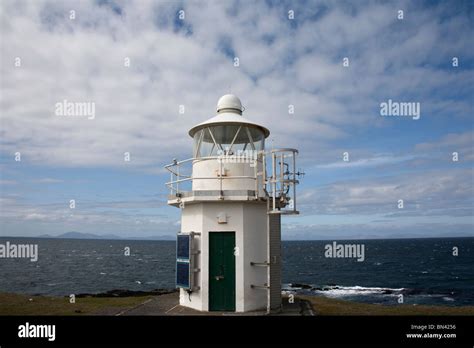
x=263, y=287
x=260, y=264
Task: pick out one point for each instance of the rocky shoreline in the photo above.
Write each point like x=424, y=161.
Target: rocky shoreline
x=128, y=293
x=293, y=287
x=329, y=287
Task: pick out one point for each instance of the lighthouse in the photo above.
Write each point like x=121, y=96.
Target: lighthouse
x=232, y=192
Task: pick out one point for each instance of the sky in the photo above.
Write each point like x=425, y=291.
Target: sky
x=335, y=62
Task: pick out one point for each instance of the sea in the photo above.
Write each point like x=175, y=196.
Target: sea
x=434, y=271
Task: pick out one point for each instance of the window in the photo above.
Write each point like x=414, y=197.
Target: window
x=215, y=140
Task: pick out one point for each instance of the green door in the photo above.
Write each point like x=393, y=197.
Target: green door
x=221, y=271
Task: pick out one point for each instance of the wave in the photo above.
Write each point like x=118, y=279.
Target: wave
x=371, y=294
x=341, y=291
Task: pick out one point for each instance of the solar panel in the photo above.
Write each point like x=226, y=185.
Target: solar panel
x=182, y=275
x=183, y=247
x=183, y=261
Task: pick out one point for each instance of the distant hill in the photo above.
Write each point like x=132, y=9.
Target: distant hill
x=168, y=237
x=80, y=235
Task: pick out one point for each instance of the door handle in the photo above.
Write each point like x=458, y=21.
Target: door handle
x=220, y=277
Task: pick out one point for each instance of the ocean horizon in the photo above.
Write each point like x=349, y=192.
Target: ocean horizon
x=169, y=238
x=419, y=270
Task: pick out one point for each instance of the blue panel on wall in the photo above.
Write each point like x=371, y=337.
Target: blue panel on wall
x=183, y=247
x=182, y=274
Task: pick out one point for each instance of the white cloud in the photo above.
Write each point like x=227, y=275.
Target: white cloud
x=367, y=162
x=382, y=231
x=47, y=181
x=282, y=63
x=137, y=107
x=433, y=192
x=123, y=218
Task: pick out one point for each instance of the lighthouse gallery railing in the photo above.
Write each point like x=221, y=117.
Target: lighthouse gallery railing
x=276, y=187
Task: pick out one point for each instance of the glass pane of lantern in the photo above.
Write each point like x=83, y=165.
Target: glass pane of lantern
x=251, y=138
x=197, y=143
x=207, y=147
x=243, y=138
x=224, y=134
x=242, y=141
x=257, y=137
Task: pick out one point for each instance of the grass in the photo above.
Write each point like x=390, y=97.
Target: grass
x=15, y=304
x=328, y=306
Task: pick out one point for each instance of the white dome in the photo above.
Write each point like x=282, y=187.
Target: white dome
x=229, y=103
x=229, y=112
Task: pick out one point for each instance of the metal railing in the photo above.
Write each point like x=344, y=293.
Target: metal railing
x=282, y=180
x=279, y=187
x=177, y=177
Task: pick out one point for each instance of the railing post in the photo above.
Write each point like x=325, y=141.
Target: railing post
x=264, y=175
x=220, y=181
x=177, y=177
x=256, y=175
x=294, y=181
x=282, y=173
x=171, y=183
x=273, y=181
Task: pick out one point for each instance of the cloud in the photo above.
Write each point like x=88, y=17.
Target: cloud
x=377, y=231
x=8, y=182
x=282, y=62
x=174, y=63
x=367, y=162
x=124, y=218
x=47, y=181
x=434, y=154
x=435, y=192
x=462, y=143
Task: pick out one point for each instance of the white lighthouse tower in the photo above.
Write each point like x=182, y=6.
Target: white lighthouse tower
x=228, y=249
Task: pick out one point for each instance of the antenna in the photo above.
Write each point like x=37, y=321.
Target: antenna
x=300, y=173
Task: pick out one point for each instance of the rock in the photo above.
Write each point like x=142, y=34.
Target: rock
x=129, y=293
x=302, y=286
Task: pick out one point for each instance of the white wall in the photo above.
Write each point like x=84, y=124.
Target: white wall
x=191, y=221
x=255, y=250
x=248, y=221
x=210, y=168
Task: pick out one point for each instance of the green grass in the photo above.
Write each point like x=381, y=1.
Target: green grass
x=15, y=304
x=328, y=306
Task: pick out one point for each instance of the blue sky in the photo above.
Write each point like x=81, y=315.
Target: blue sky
x=282, y=61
